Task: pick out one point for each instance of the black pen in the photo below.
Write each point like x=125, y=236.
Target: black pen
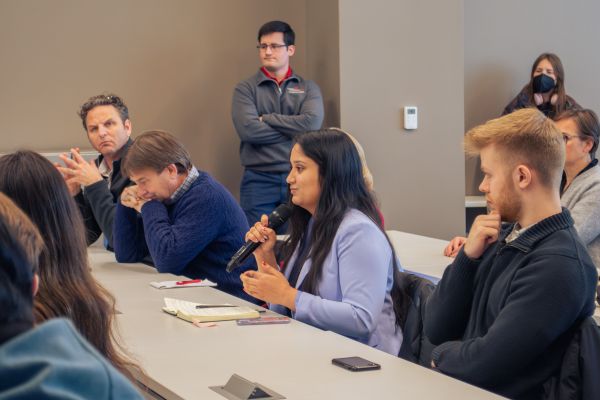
x=203, y=306
x=215, y=305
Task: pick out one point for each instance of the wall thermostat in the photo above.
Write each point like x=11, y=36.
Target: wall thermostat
x=410, y=118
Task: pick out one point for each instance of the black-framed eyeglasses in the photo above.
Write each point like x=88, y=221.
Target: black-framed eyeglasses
x=274, y=47
x=567, y=137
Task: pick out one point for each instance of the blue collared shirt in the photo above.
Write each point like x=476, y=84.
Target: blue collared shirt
x=185, y=186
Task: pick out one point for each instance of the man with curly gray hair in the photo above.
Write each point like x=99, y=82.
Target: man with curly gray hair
x=96, y=185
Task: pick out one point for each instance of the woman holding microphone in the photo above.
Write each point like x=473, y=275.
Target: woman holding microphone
x=340, y=272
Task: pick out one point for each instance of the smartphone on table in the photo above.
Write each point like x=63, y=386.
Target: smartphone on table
x=355, y=364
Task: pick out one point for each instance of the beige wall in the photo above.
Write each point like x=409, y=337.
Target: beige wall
x=174, y=62
x=395, y=54
x=323, y=54
x=503, y=38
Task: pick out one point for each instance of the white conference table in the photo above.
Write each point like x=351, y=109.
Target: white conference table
x=293, y=359
x=420, y=254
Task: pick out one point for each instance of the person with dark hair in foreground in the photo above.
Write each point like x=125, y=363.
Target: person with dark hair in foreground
x=504, y=311
x=67, y=287
x=340, y=270
x=51, y=360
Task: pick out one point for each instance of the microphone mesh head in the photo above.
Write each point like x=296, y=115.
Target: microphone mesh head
x=280, y=215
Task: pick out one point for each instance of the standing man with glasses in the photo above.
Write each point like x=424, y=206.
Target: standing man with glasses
x=269, y=109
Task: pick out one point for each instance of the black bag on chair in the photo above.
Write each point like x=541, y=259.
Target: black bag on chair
x=578, y=374
x=415, y=345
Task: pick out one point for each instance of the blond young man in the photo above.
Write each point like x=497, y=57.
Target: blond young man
x=502, y=314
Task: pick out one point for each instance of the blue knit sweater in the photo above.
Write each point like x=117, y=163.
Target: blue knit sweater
x=195, y=236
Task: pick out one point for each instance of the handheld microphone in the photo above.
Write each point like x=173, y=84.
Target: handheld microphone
x=276, y=219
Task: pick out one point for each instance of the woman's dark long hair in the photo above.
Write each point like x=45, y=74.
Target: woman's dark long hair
x=559, y=89
x=342, y=188
x=16, y=273
x=66, y=286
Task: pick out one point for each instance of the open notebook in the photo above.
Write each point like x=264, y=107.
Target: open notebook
x=187, y=310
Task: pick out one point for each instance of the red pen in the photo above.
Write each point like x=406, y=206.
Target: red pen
x=188, y=282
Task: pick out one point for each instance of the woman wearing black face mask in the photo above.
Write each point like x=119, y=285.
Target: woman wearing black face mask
x=545, y=90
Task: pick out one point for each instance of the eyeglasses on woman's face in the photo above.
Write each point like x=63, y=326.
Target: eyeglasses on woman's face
x=567, y=137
